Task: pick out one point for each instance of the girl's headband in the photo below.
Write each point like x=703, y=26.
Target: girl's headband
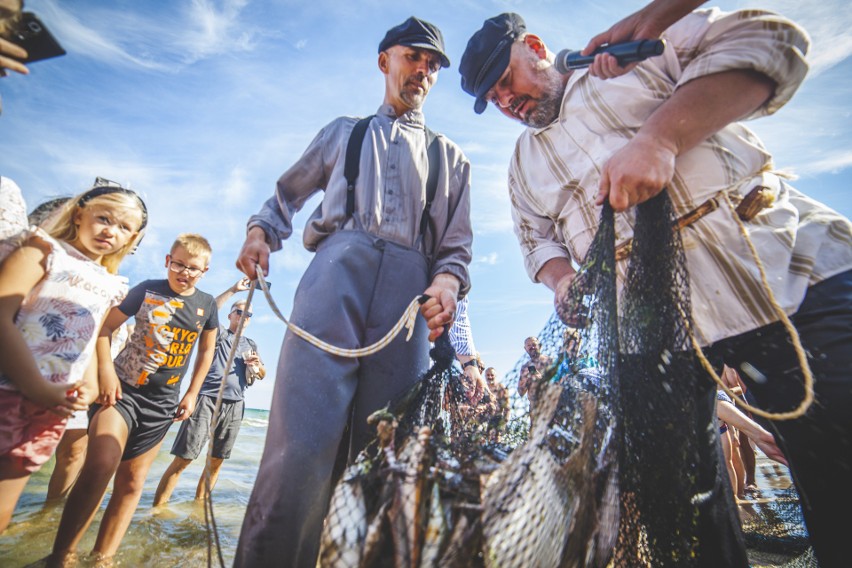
x=105, y=187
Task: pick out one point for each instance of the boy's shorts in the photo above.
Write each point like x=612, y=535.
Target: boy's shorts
x=148, y=418
x=29, y=433
x=194, y=432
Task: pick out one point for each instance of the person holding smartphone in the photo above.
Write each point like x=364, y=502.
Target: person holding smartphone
x=10, y=53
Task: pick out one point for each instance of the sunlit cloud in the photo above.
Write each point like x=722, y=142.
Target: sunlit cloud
x=489, y=259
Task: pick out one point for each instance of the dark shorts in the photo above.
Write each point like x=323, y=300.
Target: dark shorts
x=194, y=432
x=148, y=419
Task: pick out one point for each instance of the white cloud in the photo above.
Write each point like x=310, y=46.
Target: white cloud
x=489, y=259
x=214, y=30
x=830, y=162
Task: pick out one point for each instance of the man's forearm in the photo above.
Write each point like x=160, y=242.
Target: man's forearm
x=705, y=105
x=553, y=271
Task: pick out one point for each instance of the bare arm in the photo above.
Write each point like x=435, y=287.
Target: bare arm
x=697, y=110
x=206, y=349
x=240, y=285
x=731, y=415
x=21, y=272
x=108, y=383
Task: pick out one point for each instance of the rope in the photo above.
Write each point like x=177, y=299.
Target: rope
x=407, y=321
x=808, y=398
x=210, y=523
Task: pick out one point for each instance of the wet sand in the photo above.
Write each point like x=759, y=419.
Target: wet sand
x=762, y=513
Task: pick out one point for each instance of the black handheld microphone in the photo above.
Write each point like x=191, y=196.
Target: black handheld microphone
x=625, y=53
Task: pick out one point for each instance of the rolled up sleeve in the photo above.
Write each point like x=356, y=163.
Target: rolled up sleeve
x=536, y=234
x=712, y=41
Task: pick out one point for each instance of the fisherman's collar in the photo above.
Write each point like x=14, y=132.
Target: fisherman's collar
x=413, y=116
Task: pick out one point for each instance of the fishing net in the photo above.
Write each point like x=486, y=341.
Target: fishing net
x=595, y=466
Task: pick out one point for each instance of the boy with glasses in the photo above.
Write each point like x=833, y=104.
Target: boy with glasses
x=194, y=433
x=140, y=394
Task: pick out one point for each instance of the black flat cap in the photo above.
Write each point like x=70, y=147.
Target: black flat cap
x=487, y=55
x=415, y=32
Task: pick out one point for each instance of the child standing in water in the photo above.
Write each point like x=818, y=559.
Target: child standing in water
x=55, y=290
x=140, y=395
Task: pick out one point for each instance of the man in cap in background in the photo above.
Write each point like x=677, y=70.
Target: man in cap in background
x=673, y=121
x=375, y=251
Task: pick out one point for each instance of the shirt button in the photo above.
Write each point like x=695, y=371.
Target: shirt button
x=393, y=167
x=396, y=141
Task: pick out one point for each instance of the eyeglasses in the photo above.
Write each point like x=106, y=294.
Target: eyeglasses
x=178, y=267
x=239, y=312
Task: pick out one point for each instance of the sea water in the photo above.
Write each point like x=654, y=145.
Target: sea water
x=172, y=535
x=176, y=534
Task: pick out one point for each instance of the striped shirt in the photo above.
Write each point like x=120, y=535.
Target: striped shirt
x=461, y=336
x=390, y=192
x=555, y=173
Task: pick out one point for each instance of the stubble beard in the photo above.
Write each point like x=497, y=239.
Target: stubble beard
x=413, y=96
x=549, y=104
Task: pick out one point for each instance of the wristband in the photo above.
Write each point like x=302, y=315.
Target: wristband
x=470, y=363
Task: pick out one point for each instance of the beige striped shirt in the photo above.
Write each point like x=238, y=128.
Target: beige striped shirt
x=555, y=173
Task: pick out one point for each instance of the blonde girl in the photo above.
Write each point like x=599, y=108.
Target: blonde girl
x=55, y=290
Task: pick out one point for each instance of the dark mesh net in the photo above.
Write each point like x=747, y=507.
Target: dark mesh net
x=593, y=466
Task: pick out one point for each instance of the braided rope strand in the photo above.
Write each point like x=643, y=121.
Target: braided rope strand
x=808, y=377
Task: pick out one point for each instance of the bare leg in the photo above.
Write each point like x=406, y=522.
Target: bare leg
x=126, y=492
x=107, y=438
x=737, y=462
x=727, y=450
x=749, y=461
x=70, y=455
x=214, y=467
x=169, y=480
x=12, y=483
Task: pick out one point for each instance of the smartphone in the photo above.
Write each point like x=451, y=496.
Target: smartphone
x=33, y=35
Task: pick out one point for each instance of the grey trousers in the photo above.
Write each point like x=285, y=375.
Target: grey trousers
x=354, y=290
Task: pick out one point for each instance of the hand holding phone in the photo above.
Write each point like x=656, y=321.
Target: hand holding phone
x=31, y=35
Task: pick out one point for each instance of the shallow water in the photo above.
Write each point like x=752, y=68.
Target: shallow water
x=174, y=535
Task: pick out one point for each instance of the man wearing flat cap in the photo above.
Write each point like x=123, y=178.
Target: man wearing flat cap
x=398, y=227
x=672, y=122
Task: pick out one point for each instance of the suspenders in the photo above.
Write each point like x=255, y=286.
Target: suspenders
x=352, y=166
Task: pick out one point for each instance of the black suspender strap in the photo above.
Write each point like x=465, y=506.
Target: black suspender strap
x=433, y=152
x=352, y=166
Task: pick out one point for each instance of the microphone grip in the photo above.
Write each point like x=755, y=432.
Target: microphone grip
x=627, y=52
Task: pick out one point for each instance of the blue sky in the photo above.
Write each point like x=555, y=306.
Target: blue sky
x=200, y=105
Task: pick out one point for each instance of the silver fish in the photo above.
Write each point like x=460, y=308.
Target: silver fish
x=593, y=525
x=529, y=503
x=346, y=523
x=464, y=541
x=375, y=537
x=436, y=531
x=405, y=513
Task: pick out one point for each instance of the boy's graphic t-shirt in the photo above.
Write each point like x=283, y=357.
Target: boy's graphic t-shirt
x=167, y=327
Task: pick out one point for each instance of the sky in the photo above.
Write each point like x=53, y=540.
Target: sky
x=201, y=105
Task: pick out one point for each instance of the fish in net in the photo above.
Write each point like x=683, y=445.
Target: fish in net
x=597, y=466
